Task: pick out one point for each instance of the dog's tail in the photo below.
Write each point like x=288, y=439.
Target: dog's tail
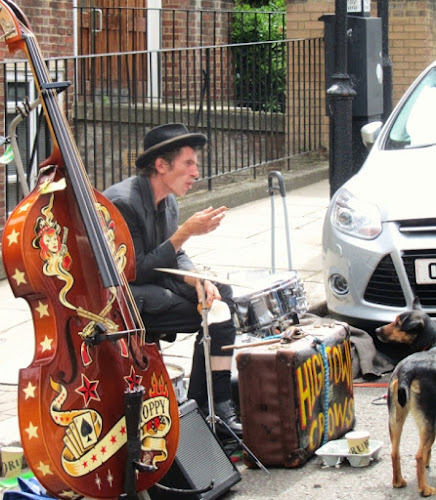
x=403, y=394
x=404, y=381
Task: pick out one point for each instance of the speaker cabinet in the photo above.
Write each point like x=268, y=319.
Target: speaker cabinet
x=200, y=461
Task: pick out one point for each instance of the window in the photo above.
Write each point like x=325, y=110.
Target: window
x=413, y=126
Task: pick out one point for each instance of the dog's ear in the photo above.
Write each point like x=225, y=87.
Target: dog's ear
x=412, y=323
x=417, y=304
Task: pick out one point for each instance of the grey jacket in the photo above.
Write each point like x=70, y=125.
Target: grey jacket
x=151, y=229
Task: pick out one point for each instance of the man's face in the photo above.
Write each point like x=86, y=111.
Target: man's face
x=179, y=177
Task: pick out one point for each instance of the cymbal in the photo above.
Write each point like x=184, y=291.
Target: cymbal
x=198, y=275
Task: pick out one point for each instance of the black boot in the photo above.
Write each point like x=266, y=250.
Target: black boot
x=225, y=410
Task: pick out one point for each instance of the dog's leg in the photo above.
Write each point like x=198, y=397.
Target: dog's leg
x=397, y=416
x=426, y=439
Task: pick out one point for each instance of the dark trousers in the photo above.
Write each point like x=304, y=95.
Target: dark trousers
x=166, y=310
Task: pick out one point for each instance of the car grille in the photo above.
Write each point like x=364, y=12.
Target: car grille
x=384, y=287
x=425, y=293
x=427, y=226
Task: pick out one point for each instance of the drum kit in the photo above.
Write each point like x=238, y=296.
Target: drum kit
x=272, y=304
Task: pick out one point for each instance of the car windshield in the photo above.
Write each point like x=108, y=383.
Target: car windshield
x=413, y=126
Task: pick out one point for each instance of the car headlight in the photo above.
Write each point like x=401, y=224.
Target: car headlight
x=355, y=217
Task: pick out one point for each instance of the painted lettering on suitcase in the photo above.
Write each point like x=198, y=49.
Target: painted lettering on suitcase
x=283, y=398
x=310, y=377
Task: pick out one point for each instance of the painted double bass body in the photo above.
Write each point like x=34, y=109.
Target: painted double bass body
x=68, y=252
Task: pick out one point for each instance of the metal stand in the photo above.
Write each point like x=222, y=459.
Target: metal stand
x=212, y=419
x=206, y=346
x=272, y=189
x=132, y=406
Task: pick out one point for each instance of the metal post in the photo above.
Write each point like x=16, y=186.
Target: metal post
x=340, y=97
x=208, y=121
x=383, y=13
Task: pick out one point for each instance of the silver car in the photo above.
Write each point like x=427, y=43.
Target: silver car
x=379, y=237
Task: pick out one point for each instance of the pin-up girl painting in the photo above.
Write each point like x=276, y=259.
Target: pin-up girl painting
x=53, y=250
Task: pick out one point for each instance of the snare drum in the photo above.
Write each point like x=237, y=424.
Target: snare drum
x=268, y=307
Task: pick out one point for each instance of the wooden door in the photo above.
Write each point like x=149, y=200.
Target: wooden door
x=110, y=27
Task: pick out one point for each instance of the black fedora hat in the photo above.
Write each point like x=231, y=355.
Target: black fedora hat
x=165, y=138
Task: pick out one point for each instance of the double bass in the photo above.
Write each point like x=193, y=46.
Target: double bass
x=97, y=411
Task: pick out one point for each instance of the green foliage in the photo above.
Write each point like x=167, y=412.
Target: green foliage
x=257, y=24
x=260, y=68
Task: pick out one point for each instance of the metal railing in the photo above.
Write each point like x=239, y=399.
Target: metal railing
x=113, y=98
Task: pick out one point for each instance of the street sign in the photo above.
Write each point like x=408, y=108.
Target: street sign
x=354, y=5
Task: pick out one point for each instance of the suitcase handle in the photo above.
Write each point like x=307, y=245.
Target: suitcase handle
x=272, y=189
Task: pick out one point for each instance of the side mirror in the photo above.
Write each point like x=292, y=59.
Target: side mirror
x=370, y=132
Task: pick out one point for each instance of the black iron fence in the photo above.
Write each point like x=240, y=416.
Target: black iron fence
x=250, y=121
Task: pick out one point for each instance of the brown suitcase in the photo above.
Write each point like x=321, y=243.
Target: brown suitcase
x=282, y=393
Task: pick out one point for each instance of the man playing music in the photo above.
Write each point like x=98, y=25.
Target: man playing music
x=167, y=302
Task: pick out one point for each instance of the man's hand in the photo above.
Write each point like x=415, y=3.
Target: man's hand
x=200, y=223
x=211, y=293
x=205, y=221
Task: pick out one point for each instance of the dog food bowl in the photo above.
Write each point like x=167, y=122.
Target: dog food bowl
x=334, y=452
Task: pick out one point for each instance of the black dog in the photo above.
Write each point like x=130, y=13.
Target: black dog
x=413, y=388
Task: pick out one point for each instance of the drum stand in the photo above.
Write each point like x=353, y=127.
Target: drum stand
x=212, y=419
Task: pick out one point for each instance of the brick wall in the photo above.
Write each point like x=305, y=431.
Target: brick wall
x=412, y=36
x=302, y=21
x=303, y=17
x=53, y=32
x=412, y=40
x=194, y=23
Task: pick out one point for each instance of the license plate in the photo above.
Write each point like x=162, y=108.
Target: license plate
x=425, y=271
